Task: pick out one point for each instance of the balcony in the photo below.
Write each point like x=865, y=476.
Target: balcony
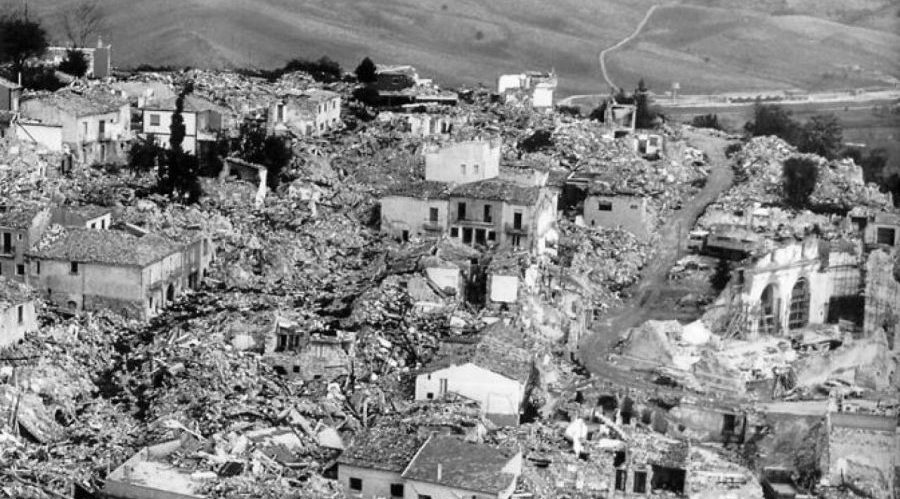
x=512, y=229
x=7, y=250
x=432, y=226
x=473, y=223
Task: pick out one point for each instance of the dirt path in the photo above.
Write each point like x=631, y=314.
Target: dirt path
x=593, y=349
x=632, y=36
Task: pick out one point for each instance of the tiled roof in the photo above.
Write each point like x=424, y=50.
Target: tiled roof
x=384, y=448
x=77, y=215
x=497, y=190
x=496, y=351
x=13, y=293
x=81, y=105
x=425, y=189
x=19, y=217
x=319, y=95
x=463, y=465
x=102, y=246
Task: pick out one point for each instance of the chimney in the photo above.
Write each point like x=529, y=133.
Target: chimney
x=440, y=472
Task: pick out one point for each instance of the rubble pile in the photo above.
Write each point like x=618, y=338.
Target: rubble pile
x=611, y=257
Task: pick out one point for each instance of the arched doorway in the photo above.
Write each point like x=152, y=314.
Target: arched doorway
x=799, y=312
x=170, y=293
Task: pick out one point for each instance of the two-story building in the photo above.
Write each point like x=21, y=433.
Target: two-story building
x=203, y=121
x=499, y=213
x=87, y=217
x=606, y=208
x=415, y=209
x=17, y=315
x=20, y=227
x=96, y=126
x=137, y=276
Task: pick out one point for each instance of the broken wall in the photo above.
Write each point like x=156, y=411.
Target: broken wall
x=463, y=162
x=882, y=304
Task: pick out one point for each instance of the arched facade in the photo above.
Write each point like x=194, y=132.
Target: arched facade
x=798, y=313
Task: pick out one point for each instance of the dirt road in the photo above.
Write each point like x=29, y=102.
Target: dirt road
x=593, y=349
x=632, y=36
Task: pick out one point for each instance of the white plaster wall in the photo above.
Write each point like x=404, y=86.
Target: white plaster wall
x=49, y=136
x=11, y=330
x=504, y=289
x=445, y=164
x=627, y=212
x=165, y=123
x=511, y=82
x=444, y=278
x=495, y=393
x=543, y=96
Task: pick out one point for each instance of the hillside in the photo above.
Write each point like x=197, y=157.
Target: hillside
x=710, y=49
x=469, y=41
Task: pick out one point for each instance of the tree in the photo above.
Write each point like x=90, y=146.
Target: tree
x=83, y=21
x=145, y=155
x=365, y=72
x=873, y=164
x=774, y=120
x=799, y=178
x=367, y=95
x=822, y=134
x=646, y=115
x=178, y=175
x=324, y=70
x=270, y=151
x=20, y=40
x=75, y=63
x=599, y=112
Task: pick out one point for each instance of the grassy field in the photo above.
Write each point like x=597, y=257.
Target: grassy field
x=468, y=41
x=711, y=50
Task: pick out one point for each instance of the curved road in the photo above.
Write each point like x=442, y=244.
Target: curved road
x=593, y=349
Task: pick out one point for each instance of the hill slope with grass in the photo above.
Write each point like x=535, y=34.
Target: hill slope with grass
x=469, y=41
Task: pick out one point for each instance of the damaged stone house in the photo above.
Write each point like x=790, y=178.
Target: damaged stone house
x=17, y=313
x=314, y=113
x=389, y=464
x=135, y=275
x=783, y=290
x=20, y=227
x=203, y=122
x=94, y=126
x=99, y=58
x=293, y=350
x=861, y=451
x=538, y=87
x=498, y=375
x=10, y=95
x=608, y=208
x=502, y=214
x=415, y=209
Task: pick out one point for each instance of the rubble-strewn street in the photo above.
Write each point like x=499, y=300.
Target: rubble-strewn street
x=387, y=288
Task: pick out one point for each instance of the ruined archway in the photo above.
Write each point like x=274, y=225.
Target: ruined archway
x=799, y=312
x=768, y=310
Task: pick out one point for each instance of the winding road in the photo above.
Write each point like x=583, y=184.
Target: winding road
x=593, y=349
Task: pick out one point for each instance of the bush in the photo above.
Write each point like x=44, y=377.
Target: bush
x=324, y=70
x=367, y=95
x=570, y=110
x=799, y=178
x=539, y=140
x=75, y=63
x=41, y=78
x=707, y=121
x=733, y=148
x=144, y=155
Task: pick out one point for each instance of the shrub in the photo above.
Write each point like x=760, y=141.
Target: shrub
x=539, y=140
x=707, y=121
x=772, y=120
x=822, y=135
x=75, y=63
x=799, y=178
x=733, y=148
